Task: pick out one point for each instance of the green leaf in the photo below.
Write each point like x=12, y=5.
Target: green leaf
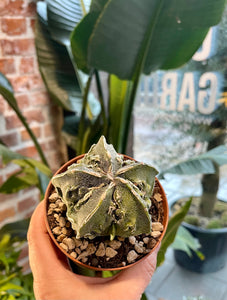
x=33, y=164
x=185, y=241
x=64, y=82
x=62, y=18
x=7, y=155
x=173, y=225
x=133, y=36
x=205, y=163
x=14, y=183
x=80, y=39
x=16, y=229
x=117, y=101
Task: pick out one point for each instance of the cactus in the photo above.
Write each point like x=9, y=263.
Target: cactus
x=107, y=195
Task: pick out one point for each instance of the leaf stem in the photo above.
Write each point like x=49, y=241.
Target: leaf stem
x=101, y=100
x=83, y=113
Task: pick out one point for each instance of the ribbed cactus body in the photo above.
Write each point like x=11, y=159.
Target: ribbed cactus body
x=107, y=195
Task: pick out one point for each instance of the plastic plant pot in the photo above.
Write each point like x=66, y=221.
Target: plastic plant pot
x=50, y=190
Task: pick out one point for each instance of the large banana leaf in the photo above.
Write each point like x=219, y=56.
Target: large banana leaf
x=205, y=163
x=133, y=36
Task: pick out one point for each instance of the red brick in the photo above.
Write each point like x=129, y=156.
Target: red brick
x=26, y=204
x=34, y=115
x=2, y=105
x=13, y=7
x=29, y=151
x=25, y=83
x=25, y=136
x=12, y=122
x=7, y=66
x=40, y=98
x=32, y=24
x=23, y=101
x=14, y=26
x=18, y=46
x=10, y=139
x=6, y=213
x=31, y=9
x=48, y=130
x=26, y=65
x=3, y=7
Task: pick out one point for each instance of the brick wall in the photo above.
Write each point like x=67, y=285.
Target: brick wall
x=18, y=63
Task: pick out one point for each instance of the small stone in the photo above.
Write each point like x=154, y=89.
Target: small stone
x=62, y=221
x=115, y=244
x=58, y=202
x=132, y=256
x=155, y=234
x=69, y=242
x=110, y=252
x=78, y=242
x=158, y=197
x=91, y=249
x=62, y=206
x=94, y=262
x=60, y=238
x=56, y=216
x=139, y=248
x=53, y=197
x=68, y=224
x=152, y=242
x=83, y=256
x=146, y=240
x=64, y=247
x=64, y=231
x=84, y=245
x=73, y=254
x=57, y=230
x=120, y=238
x=132, y=240
x=52, y=205
x=101, y=250
x=78, y=251
x=50, y=211
x=157, y=226
x=123, y=263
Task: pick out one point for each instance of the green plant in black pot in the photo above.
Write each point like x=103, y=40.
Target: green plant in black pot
x=209, y=228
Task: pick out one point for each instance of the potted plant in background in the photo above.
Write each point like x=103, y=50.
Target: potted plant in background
x=210, y=228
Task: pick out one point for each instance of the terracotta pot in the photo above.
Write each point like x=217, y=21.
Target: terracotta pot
x=50, y=189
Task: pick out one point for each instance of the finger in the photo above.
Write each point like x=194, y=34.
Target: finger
x=42, y=252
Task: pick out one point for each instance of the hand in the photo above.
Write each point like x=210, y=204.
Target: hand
x=53, y=279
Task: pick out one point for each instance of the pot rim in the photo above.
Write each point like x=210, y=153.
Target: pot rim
x=193, y=227
x=50, y=188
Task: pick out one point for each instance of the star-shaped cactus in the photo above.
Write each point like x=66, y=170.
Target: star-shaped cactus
x=107, y=195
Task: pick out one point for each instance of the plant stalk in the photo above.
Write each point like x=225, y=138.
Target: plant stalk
x=101, y=100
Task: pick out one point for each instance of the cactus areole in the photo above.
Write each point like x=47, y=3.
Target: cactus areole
x=106, y=195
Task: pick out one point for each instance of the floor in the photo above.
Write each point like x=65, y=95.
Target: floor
x=172, y=282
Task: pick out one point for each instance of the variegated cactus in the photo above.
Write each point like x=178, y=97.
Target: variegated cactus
x=107, y=195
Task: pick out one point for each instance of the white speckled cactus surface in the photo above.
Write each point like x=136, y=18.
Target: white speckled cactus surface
x=107, y=195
